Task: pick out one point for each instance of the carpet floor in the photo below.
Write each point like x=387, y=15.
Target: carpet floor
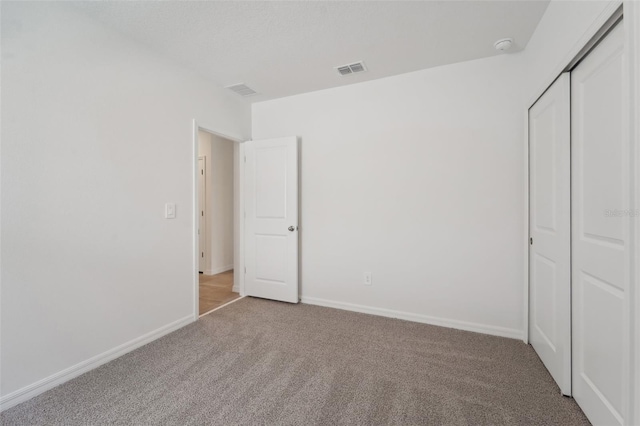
x=262, y=362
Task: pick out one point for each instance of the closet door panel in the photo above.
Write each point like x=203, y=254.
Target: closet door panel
x=550, y=231
x=600, y=233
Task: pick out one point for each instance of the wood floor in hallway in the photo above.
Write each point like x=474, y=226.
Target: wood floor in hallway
x=216, y=290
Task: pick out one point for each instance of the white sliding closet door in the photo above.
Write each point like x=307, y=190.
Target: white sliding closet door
x=550, y=230
x=601, y=237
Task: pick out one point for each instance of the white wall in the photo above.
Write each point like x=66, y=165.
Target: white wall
x=418, y=179
x=220, y=201
x=96, y=136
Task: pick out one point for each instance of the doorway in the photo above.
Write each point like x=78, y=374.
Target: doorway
x=271, y=168
x=216, y=222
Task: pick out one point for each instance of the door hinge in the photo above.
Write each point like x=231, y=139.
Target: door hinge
x=245, y=269
x=531, y=240
x=245, y=158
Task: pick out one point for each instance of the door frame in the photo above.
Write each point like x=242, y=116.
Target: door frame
x=238, y=219
x=631, y=78
x=632, y=28
x=204, y=251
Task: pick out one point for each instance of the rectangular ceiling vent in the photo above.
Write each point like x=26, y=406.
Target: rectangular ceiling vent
x=242, y=89
x=351, y=68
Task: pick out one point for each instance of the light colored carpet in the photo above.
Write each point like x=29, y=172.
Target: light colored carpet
x=262, y=362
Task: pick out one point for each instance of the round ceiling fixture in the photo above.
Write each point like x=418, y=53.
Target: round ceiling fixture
x=503, y=44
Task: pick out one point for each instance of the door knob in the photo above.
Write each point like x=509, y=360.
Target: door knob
x=291, y=229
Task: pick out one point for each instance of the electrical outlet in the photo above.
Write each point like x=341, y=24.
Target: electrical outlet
x=367, y=278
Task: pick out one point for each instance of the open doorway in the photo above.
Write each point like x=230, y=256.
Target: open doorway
x=216, y=206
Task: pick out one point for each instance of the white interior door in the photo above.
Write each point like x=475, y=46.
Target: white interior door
x=271, y=219
x=601, y=235
x=202, y=215
x=550, y=230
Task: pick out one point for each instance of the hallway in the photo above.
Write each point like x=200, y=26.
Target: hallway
x=216, y=290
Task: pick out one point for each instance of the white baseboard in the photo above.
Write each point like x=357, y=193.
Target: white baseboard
x=28, y=392
x=425, y=319
x=235, y=289
x=218, y=270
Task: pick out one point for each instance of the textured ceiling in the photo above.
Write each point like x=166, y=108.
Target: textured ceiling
x=285, y=48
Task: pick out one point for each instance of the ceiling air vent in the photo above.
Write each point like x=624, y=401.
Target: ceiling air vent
x=242, y=89
x=351, y=68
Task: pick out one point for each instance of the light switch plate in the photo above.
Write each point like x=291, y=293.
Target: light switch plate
x=170, y=211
